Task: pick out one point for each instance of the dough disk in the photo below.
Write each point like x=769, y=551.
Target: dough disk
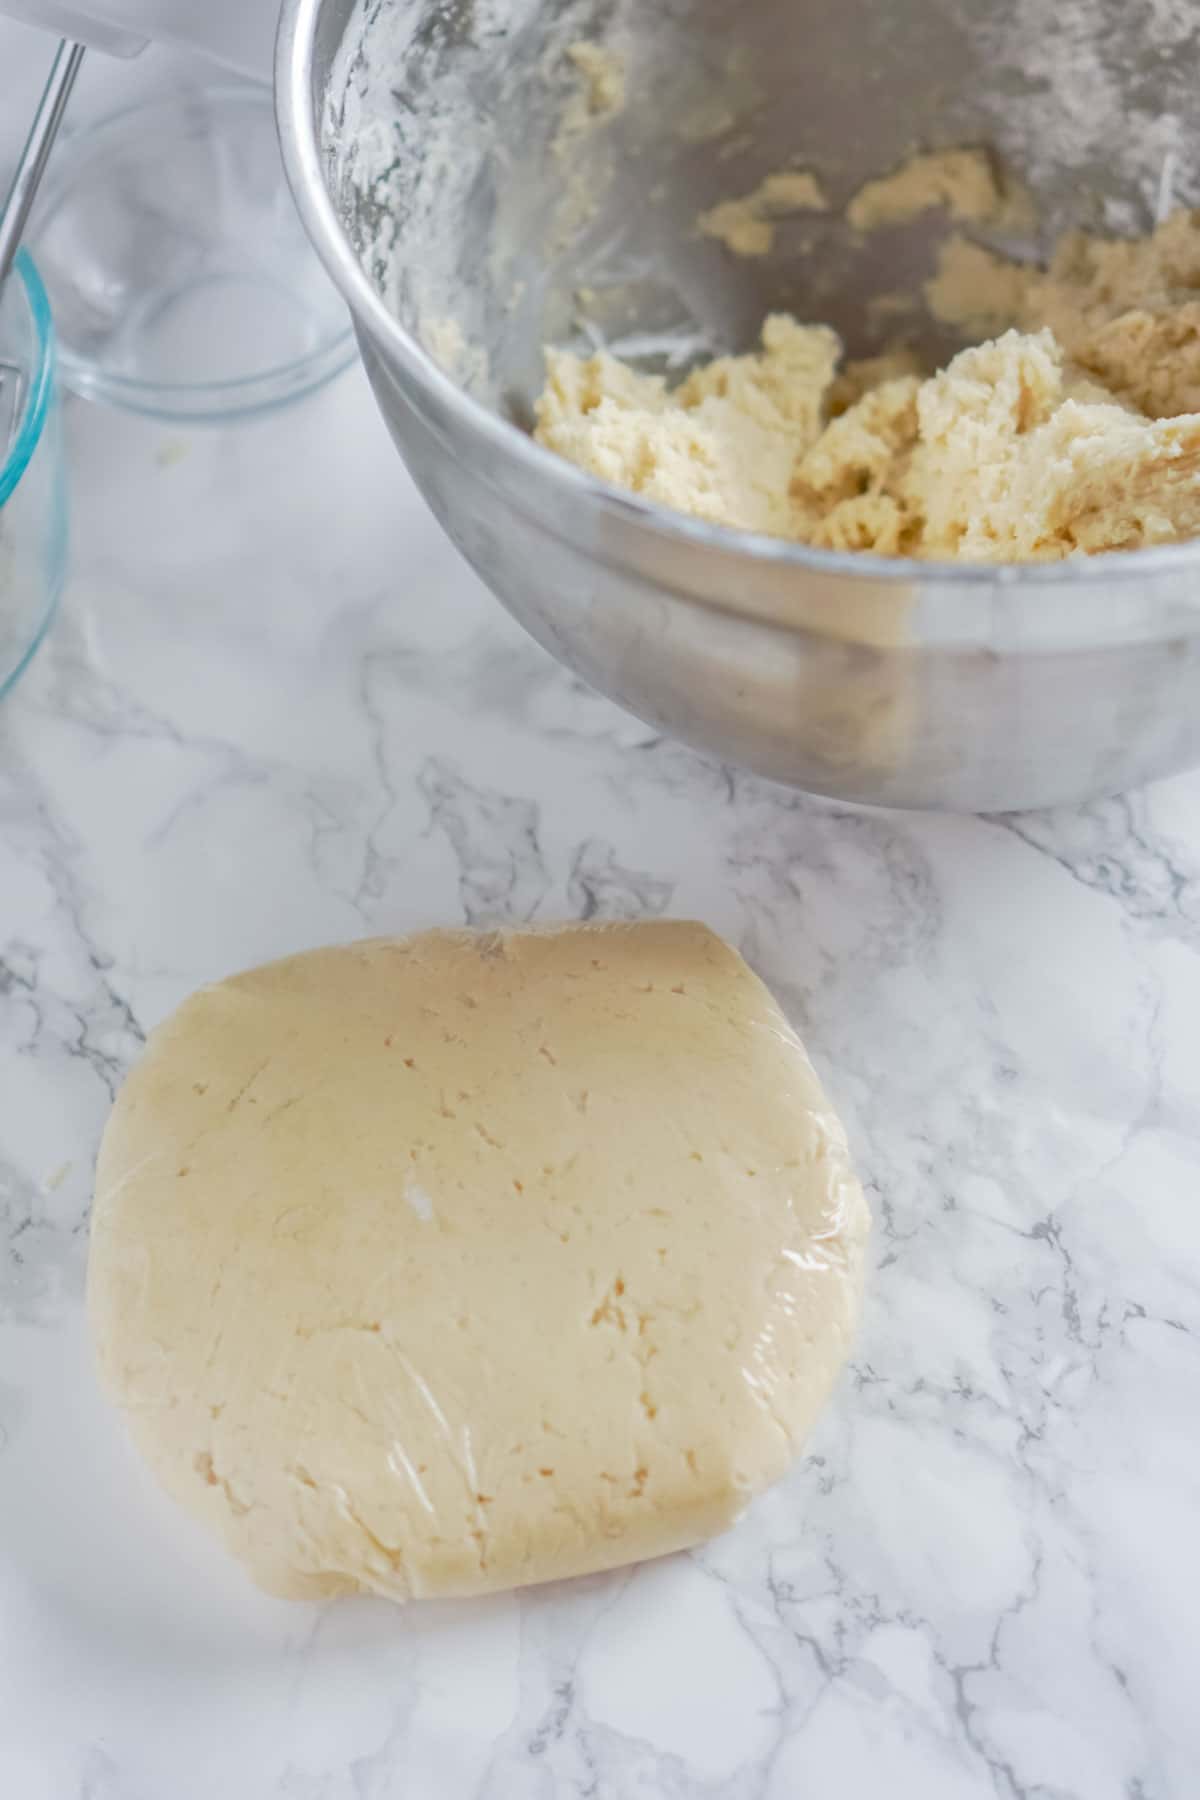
x=441, y=1265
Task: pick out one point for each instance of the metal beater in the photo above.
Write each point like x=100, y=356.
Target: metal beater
x=31, y=166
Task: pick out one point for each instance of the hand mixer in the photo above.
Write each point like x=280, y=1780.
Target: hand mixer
x=238, y=33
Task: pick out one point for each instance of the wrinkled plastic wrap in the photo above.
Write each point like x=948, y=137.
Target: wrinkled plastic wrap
x=448, y=1264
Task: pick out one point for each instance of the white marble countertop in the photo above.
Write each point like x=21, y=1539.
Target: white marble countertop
x=278, y=711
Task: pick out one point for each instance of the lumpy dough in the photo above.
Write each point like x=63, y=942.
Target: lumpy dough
x=965, y=183
x=447, y=1264
x=747, y=225
x=1126, y=312
x=1078, y=430
x=722, y=446
x=603, y=90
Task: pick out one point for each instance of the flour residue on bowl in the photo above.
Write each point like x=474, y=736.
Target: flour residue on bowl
x=452, y=236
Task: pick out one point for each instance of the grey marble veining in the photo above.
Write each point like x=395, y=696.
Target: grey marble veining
x=278, y=712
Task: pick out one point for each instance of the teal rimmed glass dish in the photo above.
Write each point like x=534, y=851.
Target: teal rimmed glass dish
x=33, y=495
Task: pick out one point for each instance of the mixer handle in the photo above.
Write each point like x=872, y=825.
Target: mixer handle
x=82, y=27
x=238, y=33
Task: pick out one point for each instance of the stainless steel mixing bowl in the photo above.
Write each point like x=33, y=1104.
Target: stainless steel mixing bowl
x=472, y=201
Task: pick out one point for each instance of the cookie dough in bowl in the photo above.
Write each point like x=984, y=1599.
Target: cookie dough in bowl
x=481, y=191
x=1076, y=434
x=448, y=1264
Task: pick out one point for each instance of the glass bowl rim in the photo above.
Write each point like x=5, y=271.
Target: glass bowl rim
x=41, y=378
x=177, y=399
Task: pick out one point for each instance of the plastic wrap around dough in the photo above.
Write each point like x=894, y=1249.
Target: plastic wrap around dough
x=452, y=1263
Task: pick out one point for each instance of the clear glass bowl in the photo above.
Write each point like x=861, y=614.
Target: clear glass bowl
x=33, y=495
x=182, y=283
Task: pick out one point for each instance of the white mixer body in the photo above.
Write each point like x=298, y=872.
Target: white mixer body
x=237, y=33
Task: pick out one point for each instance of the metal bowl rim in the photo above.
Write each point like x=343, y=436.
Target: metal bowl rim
x=302, y=158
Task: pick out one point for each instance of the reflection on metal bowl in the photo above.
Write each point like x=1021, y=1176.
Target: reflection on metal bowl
x=469, y=215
